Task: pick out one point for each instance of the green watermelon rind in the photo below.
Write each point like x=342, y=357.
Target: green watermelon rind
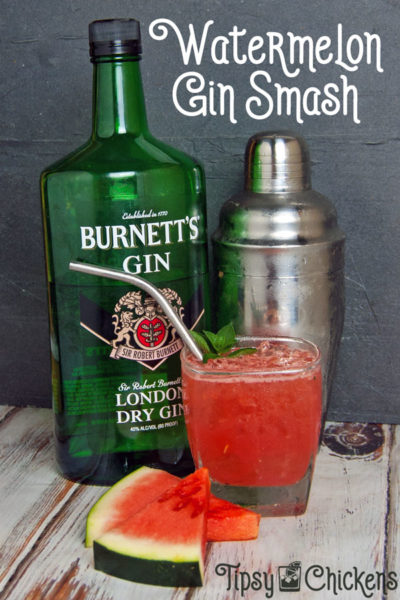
x=155, y=568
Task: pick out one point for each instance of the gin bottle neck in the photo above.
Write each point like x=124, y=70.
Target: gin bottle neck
x=118, y=100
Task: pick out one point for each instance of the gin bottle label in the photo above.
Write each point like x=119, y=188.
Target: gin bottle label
x=120, y=373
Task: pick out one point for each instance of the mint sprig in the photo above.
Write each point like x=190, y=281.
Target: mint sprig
x=219, y=345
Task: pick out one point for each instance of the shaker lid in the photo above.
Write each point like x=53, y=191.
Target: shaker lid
x=278, y=207
x=277, y=161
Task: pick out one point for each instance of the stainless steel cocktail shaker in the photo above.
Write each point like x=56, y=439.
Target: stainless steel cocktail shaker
x=279, y=253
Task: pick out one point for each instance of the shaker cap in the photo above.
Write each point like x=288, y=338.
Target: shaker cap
x=278, y=208
x=110, y=37
x=277, y=161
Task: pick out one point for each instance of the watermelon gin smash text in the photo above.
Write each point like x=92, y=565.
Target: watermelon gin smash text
x=254, y=421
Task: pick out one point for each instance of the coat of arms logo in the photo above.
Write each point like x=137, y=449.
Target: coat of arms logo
x=142, y=332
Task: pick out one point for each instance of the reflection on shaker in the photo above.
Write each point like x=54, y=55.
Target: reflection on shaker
x=279, y=252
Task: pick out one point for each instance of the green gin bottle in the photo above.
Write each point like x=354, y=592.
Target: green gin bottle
x=128, y=201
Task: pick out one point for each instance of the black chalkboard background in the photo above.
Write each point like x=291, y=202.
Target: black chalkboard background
x=45, y=91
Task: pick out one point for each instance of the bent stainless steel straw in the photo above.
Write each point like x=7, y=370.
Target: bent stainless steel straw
x=151, y=289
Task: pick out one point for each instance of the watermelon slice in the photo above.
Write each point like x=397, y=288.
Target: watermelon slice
x=164, y=542
x=225, y=521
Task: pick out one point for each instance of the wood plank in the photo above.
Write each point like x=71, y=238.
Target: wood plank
x=393, y=521
x=345, y=527
x=42, y=539
x=6, y=410
x=66, y=566
x=31, y=490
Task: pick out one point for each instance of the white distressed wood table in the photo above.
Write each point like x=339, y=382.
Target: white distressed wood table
x=345, y=547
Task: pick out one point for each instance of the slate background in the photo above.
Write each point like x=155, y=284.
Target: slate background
x=45, y=91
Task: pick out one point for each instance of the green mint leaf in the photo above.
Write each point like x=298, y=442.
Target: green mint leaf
x=209, y=355
x=223, y=340
x=212, y=338
x=228, y=334
x=219, y=345
x=241, y=351
x=200, y=341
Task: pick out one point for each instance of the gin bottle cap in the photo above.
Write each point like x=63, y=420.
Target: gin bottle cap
x=110, y=37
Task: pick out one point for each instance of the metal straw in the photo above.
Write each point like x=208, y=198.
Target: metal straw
x=150, y=289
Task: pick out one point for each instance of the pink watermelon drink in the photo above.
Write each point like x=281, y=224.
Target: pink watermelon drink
x=254, y=420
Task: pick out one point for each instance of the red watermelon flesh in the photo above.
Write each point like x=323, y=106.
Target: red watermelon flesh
x=126, y=497
x=225, y=521
x=181, y=508
x=164, y=542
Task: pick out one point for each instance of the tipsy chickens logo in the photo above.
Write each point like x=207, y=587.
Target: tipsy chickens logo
x=294, y=577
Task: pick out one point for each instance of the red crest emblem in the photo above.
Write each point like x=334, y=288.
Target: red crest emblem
x=151, y=333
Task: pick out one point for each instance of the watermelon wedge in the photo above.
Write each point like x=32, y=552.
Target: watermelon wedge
x=164, y=542
x=225, y=521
